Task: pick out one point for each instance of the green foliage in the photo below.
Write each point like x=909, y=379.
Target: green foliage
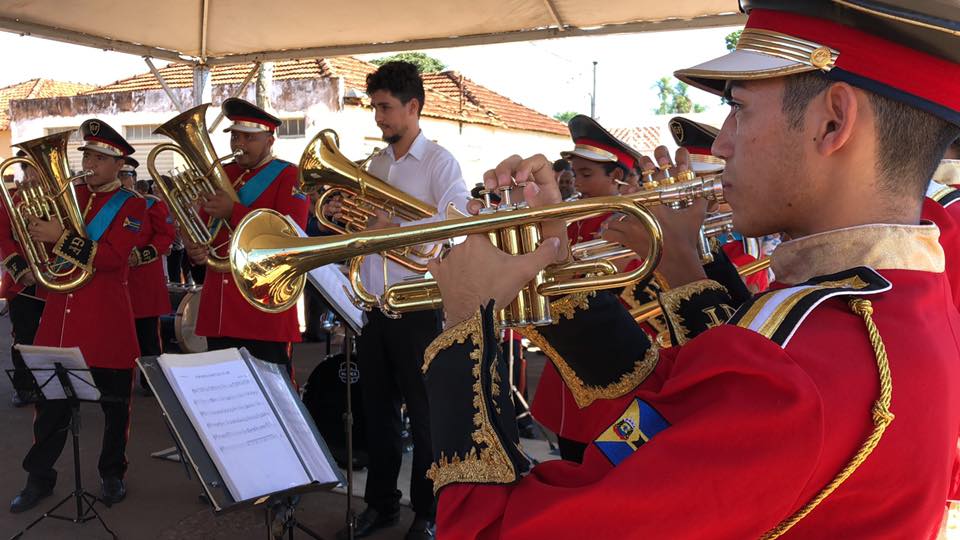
x=673, y=97
x=732, y=39
x=424, y=62
x=565, y=116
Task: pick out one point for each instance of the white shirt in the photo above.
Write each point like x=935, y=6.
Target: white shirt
x=431, y=174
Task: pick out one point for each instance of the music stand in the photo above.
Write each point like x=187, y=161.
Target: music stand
x=333, y=286
x=278, y=505
x=59, y=369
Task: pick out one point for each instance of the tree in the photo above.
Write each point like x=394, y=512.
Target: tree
x=424, y=62
x=674, y=98
x=565, y=117
x=732, y=39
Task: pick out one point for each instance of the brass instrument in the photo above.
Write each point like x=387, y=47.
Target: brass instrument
x=183, y=190
x=51, y=197
x=264, y=262
x=323, y=165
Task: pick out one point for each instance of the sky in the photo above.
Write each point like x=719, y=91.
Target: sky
x=550, y=76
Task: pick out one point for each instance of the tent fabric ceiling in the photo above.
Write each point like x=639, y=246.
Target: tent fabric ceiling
x=224, y=31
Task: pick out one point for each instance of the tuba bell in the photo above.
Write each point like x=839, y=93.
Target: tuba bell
x=322, y=165
x=50, y=197
x=203, y=175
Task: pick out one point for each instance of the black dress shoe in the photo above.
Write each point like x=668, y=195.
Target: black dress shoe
x=421, y=529
x=112, y=490
x=368, y=522
x=29, y=497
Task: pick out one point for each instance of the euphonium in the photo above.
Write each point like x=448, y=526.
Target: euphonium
x=51, y=197
x=323, y=165
x=203, y=175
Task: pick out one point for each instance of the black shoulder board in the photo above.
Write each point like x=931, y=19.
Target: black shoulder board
x=777, y=314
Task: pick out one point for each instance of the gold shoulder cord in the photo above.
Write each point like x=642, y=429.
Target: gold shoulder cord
x=881, y=419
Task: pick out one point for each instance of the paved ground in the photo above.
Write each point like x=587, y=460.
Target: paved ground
x=162, y=502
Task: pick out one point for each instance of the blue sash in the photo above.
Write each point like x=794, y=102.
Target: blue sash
x=150, y=202
x=253, y=188
x=98, y=225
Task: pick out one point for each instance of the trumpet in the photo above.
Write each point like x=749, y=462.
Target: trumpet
x=714, y=225
x=362, y=194
x=203, y=175
x=264, y=261
x=52, y=197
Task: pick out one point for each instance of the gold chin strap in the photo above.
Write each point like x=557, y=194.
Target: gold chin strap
x=881, y=419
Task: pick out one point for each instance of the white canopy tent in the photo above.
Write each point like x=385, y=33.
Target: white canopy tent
x=230, y=31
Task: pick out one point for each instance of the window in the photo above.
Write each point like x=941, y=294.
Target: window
x=292, y=128
x=141, y=133
x=74, y=137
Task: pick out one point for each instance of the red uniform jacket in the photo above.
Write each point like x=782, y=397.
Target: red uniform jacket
x=13, y=260
x=744, y=428
x=223, y=311
x=947, y=219
x=148, y=280
x=97, y=317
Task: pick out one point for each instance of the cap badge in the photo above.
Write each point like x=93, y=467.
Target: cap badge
x=821, y=58
x=94, y=127
x=677, y=130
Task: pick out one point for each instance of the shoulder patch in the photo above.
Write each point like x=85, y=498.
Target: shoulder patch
x=637, y=425
x=777, y=314
x=131, y=224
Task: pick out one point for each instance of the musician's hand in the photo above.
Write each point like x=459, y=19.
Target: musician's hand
x=680, y=263
x=196, y=252
x=333, y=209
x=381, y=220
x=132, y=259
x=218, y=205
x=43, y=230
x=541, y=189
x=27, y=279
x=474, y=272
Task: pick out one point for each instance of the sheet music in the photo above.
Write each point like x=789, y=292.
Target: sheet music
x=331, y=284
x=37, y=357
x=277, y=384
x=235, y=422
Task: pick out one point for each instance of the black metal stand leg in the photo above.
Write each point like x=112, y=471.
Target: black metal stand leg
x=282, y=521
x=84, y=500
x=348, y=425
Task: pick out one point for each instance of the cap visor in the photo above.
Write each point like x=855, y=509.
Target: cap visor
x=741, y=65
x=586, y=154
x=245, y=129
x=106, y=151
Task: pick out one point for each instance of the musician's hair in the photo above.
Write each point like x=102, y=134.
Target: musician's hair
x=401, y=79
x=911, y=142
x=609, y=167
x=562, y=165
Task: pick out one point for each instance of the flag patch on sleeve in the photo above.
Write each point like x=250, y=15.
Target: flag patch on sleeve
x=637, y=425
x=131, y=224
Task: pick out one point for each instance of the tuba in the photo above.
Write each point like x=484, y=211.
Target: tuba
x=323, y=165
x=203, y=175
x=52, y=197
x=264, y=261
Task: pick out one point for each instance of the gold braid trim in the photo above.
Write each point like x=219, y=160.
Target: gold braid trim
x=490, y=464
x=585, y=394
x=453, y=335
x=881, y=419
x=671, y=299
x=566, y=307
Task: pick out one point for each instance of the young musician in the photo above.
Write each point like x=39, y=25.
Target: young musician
x=148, y=282
x=95, y=317
x=823, y=407
x=260, y=181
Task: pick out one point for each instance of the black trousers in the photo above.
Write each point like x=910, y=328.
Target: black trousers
x=175, y=271
x=25, y=312
x=148, y=337
x=390, y=357
x=276, y=352
x=52, y=423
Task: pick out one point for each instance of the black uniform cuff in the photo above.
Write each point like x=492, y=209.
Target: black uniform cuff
x=16, y=265
x=598, y=349
x=472, y=421
x=145, y=255
x=724, y=272
x=76, y=249
x=693, y=308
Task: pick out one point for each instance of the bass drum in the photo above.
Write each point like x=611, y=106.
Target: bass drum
x=185, y=324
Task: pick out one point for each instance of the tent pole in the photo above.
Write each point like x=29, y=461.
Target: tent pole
x=163, y=83
x=201, y=84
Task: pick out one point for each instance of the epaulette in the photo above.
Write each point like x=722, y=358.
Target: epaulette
x=777, y=314
x=945, y=195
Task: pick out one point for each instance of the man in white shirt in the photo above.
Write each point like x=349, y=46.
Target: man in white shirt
x=391, y=350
